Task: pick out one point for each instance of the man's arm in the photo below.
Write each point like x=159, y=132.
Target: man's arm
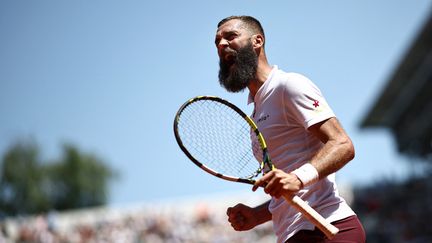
x=337, y=151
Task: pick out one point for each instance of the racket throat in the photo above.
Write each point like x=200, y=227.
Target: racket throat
x=267, y=164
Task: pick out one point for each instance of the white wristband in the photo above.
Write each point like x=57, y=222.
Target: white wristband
x=307, y=174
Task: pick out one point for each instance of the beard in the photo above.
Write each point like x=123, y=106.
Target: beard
x=236, y=74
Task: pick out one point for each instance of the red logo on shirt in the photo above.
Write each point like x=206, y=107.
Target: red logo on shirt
x=316, y=103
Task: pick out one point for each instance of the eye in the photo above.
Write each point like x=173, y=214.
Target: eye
x=231, y=36
x=217, y=40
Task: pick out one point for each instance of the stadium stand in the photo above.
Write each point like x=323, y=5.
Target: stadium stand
x=399, y=211
x=187, y=220
x=396, y=212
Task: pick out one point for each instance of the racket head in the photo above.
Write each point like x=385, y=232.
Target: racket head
x=221, y=139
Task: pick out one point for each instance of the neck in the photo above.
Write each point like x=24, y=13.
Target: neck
x=263, y=71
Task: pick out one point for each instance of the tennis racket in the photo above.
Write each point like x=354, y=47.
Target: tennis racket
x=223, y=141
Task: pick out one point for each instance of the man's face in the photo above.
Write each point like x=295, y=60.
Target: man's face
x=237, y=59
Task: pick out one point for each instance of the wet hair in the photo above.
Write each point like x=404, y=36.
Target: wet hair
x=250, y=23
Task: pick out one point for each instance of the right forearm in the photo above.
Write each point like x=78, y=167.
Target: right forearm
x=262, y=213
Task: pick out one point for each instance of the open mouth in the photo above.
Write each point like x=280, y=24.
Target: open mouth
x=229, y=54
x=229, y=57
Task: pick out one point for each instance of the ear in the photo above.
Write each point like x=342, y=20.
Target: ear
x=257, y=41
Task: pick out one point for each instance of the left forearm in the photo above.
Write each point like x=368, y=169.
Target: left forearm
x=333, y=156
x=337, y=150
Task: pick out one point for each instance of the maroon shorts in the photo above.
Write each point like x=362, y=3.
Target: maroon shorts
x=350, y=231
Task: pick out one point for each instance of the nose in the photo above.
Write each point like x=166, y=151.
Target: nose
x=222, y=44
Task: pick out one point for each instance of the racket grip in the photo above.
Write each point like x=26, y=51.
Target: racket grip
x=313, y=216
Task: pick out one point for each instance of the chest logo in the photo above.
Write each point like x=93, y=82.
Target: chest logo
x=263, y=118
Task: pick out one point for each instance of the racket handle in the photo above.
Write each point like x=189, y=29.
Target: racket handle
x=313, y=216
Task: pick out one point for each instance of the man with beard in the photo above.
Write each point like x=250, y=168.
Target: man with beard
x=304, y=138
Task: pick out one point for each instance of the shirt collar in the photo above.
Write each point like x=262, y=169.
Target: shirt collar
x=250, y=97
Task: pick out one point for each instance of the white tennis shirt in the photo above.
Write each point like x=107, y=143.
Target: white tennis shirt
x=285, y=106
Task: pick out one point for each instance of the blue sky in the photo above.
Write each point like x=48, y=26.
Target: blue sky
x=109, y=76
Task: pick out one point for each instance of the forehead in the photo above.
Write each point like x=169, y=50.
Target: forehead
x=234, y=25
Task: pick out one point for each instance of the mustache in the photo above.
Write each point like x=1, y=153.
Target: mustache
x=229, y=51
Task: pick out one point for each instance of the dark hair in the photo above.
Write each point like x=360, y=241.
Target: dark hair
x=250, y=23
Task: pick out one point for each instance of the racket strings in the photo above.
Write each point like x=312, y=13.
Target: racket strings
x=220, y=138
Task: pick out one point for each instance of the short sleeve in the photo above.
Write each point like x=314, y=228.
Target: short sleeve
x=304, y=101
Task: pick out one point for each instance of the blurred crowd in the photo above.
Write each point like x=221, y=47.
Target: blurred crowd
x=192, y=222
x=394, y=212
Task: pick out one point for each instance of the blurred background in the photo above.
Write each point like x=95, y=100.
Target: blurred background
x=89, y=90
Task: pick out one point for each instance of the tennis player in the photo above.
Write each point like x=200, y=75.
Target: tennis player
x=305, y=140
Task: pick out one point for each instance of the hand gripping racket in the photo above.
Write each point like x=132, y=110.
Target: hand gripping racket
x=222, y=140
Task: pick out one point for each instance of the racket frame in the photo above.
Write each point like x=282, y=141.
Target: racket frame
x=251, y=123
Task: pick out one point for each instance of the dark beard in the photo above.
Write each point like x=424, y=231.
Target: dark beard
x=244, y=67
